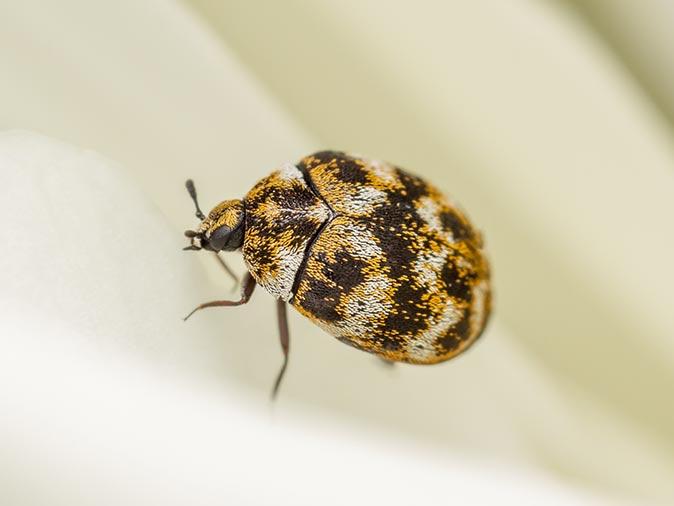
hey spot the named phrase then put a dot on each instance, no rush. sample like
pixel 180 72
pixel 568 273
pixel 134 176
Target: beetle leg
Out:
pixel 285 342
pixel 246 291
pixel 228 269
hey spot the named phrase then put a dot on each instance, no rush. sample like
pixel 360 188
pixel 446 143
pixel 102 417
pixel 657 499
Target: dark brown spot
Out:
pixel 455 335
pixel 321 301
pixel 346 272
pixel 321 157
pixel 348 171
pixel 415 187
pixel 457 285
pixel 389 344
pixel 452 222
pixel 407 298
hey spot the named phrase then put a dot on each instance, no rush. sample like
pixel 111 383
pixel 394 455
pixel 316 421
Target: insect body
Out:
pixel 377 257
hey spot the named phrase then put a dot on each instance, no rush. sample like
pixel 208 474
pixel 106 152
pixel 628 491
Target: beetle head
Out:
pixel 221 230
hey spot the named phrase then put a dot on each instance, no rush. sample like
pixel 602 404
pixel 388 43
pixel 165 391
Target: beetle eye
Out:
pixel 224 238
pixel 219 238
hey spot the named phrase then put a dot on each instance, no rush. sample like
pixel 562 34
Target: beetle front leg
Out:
pixel 228 270
pixel 246 291
pixel 284 336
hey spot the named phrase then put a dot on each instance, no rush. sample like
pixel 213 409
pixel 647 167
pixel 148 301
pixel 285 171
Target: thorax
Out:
pixel 283 215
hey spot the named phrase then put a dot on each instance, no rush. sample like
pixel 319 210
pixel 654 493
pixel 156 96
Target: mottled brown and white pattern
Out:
pixel 375 256
pixel 282 215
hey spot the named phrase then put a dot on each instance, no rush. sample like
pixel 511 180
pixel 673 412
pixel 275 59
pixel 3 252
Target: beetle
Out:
pixel 372 254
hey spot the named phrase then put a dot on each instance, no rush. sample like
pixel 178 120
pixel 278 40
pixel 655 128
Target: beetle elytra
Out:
pixel 375 256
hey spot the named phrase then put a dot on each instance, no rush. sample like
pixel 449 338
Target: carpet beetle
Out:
pixel 375 256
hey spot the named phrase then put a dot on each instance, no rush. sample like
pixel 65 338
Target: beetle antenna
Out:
pixel 189 184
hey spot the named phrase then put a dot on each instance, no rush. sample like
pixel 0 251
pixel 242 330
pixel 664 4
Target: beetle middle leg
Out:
pixel 247 288
pixel 228 270
pixel 284 336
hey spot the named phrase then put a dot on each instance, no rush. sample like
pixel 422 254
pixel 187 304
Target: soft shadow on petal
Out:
pixel 103 401
pixel 521 113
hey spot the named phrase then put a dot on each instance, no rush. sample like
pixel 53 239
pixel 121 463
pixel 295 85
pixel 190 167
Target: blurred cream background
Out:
pixel 551 122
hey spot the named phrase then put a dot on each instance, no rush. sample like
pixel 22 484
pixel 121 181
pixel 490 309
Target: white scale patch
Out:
pixel 361 316
pixel 364 244
pixel 383 171
pixel 429 211
pixel 289 171
pixel 477 312
pixel 364 200
pixel 281 283
pixel 319 213
pixel 422 346
pixel 429 265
